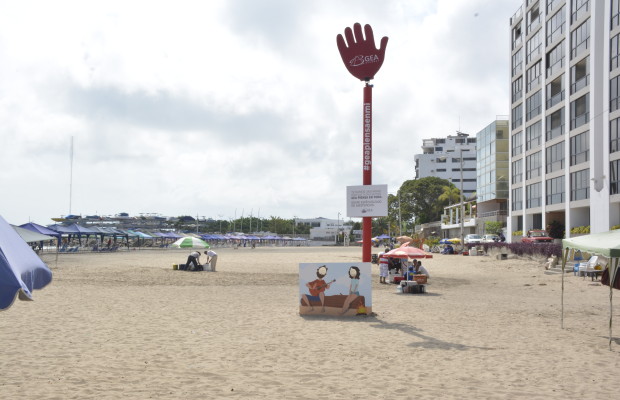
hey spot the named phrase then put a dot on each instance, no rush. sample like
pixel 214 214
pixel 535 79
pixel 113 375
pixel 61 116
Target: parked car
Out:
pixel 472 238
pixel 537 236
pixel 490 239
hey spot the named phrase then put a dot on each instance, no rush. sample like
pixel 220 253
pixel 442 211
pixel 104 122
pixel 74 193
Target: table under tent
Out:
pixel 605 244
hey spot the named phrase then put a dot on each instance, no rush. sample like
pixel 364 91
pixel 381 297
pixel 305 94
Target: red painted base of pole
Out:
pixel 366 238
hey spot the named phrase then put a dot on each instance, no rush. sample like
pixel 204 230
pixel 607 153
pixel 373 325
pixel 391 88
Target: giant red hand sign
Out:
pixel 361 57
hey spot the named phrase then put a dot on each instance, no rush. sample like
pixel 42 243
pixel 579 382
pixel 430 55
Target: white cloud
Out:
pixel 202 108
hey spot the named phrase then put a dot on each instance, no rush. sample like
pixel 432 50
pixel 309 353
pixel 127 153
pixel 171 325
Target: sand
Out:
pixel 127 326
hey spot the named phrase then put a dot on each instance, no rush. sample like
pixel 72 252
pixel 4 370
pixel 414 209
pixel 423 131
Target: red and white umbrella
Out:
pixel 405 251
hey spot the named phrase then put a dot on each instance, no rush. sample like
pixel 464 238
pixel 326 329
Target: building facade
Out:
pixel 492 174
pixel 565 115
pixel 441 157
pixel 325 228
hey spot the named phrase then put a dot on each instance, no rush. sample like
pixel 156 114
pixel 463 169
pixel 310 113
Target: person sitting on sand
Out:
pixel 317 288
pixel 416 269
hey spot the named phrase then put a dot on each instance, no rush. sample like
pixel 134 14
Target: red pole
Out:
pixel 367 168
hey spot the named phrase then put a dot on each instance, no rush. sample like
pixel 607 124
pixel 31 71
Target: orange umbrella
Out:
pixel 404 239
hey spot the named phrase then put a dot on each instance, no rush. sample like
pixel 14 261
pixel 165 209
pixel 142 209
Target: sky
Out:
pixel 226 108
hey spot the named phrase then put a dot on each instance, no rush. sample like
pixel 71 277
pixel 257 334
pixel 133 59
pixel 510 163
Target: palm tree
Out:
pixel 451 194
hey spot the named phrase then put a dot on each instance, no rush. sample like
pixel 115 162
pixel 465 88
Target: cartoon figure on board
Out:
pixel 317 288
pixel 354 292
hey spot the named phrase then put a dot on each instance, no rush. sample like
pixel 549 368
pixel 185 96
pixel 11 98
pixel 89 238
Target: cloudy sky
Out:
pixel 222 107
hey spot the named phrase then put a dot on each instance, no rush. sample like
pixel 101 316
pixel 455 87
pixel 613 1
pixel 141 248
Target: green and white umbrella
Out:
pixel 190 242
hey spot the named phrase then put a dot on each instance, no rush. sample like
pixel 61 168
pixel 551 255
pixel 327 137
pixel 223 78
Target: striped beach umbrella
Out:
pixel 189 242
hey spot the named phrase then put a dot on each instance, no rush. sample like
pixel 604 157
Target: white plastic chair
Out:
pixel 588 266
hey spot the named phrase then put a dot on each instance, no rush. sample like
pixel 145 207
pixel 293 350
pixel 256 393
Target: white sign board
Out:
pixel 367 201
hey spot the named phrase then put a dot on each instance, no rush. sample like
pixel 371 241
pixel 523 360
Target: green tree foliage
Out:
pixel 420 198
pixel 555 229
pixel 493 227
pixel 451 194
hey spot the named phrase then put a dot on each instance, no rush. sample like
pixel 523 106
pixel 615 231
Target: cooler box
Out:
pixel 397 279
pixel 420 278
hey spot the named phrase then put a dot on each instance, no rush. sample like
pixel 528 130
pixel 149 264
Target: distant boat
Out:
pixel 70 217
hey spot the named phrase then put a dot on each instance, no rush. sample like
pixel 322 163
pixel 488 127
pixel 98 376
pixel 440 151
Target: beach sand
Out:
pixel 127 326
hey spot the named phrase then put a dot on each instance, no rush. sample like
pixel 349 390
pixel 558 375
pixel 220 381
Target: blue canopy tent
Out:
pixel 73 230
pixel 21 270
pixel 42 230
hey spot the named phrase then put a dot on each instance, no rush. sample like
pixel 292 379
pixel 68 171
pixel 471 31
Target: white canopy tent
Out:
pixel 605 244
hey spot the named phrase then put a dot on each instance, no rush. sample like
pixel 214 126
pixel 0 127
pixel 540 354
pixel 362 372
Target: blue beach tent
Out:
pixel 21 270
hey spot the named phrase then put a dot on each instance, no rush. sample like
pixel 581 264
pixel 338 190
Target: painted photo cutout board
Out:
pixel 337 289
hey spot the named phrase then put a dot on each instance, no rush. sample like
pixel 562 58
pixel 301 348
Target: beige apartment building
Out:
pixel 565 115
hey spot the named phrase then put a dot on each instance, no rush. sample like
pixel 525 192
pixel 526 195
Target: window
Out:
pixel 517 199
pixel 580 39
pixel 517 143
pixel 533 46
pixel 517 89
pixel 517 171
pixel 517 116
pixel 532 76
pixel 533 18
pixel 555 190
pixel 579 148
pixel 533 195
pixel 614 93
pixel 615 13
pixel 517 62
pixel 614 179
pixel 554 158
pixel 441 170
pixel 516 37
pixel 555 91
pixel 533 106
pixel 580 111
pixel 440 160
pixel 580 75
pixel 555 124
pixel 555 59
pixel 555 26
pixel 614 52
pixel 532 166
pixel 579 8
pixel 551 4
pixel 580 185
pixel 533 135
pixel 614 135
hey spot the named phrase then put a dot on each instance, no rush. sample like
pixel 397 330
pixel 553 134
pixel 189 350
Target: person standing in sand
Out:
pixel 383 266
pixel 212 259
pixel 317 288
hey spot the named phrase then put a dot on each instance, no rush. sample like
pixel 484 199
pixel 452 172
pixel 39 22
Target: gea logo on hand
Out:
pixel 359 54
pixel 359 60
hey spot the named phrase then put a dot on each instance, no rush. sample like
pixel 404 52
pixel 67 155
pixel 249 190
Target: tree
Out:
pixel 493 227
pixel 451 194
pixel 420 198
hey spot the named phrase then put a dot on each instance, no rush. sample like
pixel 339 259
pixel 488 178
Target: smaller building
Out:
pixel 324 228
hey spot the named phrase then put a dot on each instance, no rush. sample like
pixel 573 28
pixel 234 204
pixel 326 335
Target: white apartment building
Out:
pixel 565 115
pixel 441 157
pixel 324 228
